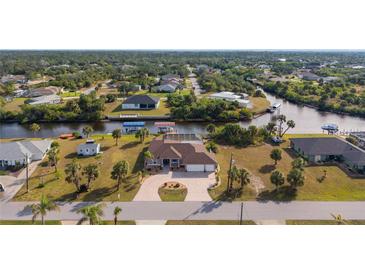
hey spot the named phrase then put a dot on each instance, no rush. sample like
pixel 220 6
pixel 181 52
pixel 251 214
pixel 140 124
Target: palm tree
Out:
pixel 117 133
pixel 42 208
pixel 119 172
pixel 53 156
pixel 271 128
pixel 339 220
pixel 290 124
pixel 92 213
pixel 282 119
pixel 252 131
pixel 142 134
pixel 243 177
pixel 295 178
pixel 35 128
pixel 117 211
pixel 233 175
pixel 147 156
pixel 87 131
pixel 91 171
pixel 73 174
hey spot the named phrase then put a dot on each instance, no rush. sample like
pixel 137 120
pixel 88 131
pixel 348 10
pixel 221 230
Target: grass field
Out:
pixel 172 195
pixel 209 222
pixel 103 188
pixel 15 104
pixel 259 104
pixel 256 159
pixel 70 94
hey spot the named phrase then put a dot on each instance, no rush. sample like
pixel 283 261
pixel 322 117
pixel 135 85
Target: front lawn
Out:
pixel 15 104
pixel 45 181
pixel 259 104
pixel 256 159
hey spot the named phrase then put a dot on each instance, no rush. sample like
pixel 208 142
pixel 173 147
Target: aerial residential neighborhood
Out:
pixel 243 138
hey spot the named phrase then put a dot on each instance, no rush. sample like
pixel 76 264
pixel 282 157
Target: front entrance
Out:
pixel 166 162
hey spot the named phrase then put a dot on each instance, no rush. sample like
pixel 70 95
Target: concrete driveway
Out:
pixel 197 184
pixel 13 184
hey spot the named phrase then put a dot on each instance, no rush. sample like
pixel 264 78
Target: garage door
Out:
pixel 209 167
pixel 195 167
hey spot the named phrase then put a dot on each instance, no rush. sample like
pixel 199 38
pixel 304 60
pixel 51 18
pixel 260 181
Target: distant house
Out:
pixel 166 88
pixel 141 102
pixel 44 100
pixel 309 76
pixel 232 97
pixel 90 148
pixel 330 149
pixel 51 90
pixel 177 151
pixel 18 79
pixel 15 153
pixel 169 77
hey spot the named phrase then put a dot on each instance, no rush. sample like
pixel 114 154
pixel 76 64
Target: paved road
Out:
pixel 194 82
pixel 200 210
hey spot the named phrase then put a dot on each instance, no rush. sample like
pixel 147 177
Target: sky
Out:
pixel 183 24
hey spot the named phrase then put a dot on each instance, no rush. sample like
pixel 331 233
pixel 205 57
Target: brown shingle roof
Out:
pixel 188 153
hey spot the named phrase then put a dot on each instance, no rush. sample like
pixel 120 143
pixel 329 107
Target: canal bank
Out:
pixel 307 120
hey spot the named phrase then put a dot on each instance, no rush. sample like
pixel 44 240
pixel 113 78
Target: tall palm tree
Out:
pixel 119 172
pixel 92 213
pixel 53 156
pixel 290 124
pixel 233 175
pixel 35 128
pixel 142 134
pixel 117 133
pixel 91 171
pixel 87 131
pixel 243 177
pixel 117 211
pixel 42 208
pixel 339 220
pixel 73 174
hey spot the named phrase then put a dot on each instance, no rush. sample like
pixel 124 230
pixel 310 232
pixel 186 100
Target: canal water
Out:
pixel 307 120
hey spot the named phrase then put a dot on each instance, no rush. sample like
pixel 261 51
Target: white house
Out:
pixel 166 88
pixel 90 148
pixel 232 97
pixel 47 99
pixel 13 153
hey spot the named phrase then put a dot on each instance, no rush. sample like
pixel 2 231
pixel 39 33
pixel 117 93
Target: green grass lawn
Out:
pixel 15 104
pixel 28 222
pixel 103 188
pixel 256 159
pixel 172 195
pixel 115 108
pixel 209 222
pixel 70 94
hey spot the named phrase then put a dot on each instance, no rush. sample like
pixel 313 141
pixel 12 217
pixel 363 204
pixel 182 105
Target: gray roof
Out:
pixel 141 99
pixel 329 146
pixel 18 150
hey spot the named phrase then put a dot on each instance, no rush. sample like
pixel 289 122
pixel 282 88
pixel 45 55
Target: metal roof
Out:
pixel 133 124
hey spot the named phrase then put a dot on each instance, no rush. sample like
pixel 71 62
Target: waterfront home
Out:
pixel 90 148
pixel 176 151
pixel 166 88
pixel 143 102
pixel 132 127
pixel 37 92
pixel 232 97
pixel 42 100
pixel 360 137
pixel 16 153
pixel 325 149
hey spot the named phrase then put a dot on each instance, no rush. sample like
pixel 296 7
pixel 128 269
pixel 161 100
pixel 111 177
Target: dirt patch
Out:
pixel 256 183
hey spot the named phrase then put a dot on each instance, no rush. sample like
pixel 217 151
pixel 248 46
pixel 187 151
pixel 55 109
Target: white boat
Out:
pixel 274 107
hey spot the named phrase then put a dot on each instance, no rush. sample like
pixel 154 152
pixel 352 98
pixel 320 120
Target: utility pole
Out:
pixel 27 171
pixel 229 173
pixel 241 215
